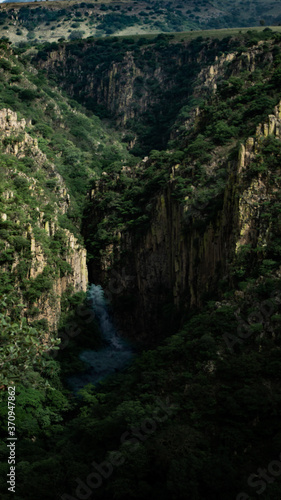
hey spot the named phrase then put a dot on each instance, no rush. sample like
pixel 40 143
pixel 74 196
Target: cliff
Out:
pixel 160 89
pixel 132 83
pixel 34 224
pixel 173 264
pixel 184 255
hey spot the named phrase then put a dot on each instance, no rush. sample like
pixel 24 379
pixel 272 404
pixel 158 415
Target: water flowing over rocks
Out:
pixel 113 357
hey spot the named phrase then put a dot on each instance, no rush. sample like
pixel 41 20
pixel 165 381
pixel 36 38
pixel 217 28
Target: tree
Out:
pixel 21 349
pixel 76 35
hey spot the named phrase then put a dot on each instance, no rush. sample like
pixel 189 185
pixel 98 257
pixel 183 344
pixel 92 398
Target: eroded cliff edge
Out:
pixel 45 260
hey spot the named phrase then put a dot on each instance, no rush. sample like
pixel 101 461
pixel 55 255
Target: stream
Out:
pixel 113 357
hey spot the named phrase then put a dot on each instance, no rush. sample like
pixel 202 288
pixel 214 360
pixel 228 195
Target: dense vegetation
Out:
pixel 150 72
pixel 197 415
pixel 76 145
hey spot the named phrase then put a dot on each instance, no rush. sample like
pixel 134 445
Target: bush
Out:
pixel 38 286
pixel 5 64
pixel 223 132
pixel 20 243
pixel 65 268
pixel 30 35
pixel 76 35
pixel 28 94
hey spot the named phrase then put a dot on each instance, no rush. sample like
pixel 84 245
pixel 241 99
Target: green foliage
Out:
pixel 65 268
pixel 200 384
pixel 223 133
pixel 35 287
pixel 21 349
pixel 76 35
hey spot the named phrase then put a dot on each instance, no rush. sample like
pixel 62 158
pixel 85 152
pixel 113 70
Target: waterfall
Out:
pixel 114 356
pixel 108 331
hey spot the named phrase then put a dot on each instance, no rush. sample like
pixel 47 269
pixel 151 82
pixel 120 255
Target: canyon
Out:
pixel 149 168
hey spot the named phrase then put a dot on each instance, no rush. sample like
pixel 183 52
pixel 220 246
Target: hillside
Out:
pixel 151 166
pixel 52 21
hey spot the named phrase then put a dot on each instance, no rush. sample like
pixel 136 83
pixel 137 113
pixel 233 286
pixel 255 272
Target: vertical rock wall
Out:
pixel 178 263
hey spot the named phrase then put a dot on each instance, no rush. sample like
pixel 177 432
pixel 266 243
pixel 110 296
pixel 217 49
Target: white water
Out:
pixel 113 357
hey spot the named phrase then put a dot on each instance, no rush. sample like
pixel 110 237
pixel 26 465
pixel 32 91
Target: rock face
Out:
pixel 172 264
pixel 10 123
pixel 75 255
pixel 252 229
pixel 136 87
pixel 120 88
pixel 175 262
pixel 181 257
pixel 16 141
pixel 131 85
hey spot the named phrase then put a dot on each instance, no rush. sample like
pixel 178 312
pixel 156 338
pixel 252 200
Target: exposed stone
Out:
pixel 173 262
pixel 22 145
pixel 75 255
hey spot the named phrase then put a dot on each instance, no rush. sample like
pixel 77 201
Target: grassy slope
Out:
pixel 56 19
pixel 215 33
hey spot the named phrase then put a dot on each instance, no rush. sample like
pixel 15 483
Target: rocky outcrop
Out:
pixel 49 306
pixel 121 88
pixel 16 141
pixel 117 91
pixel 252 229
pixel 209 76
pixel 131 85
pixel 177 261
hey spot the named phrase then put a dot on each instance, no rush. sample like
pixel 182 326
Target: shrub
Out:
pixel 76 35
pixel 30 35
pixel 20 243
pixel 28 94
pixel 223 132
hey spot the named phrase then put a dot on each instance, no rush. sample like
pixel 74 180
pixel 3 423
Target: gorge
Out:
pixel 150 167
